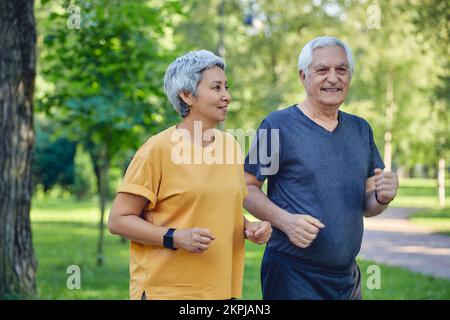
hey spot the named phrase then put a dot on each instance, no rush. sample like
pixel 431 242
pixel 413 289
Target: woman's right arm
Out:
pixel 125 220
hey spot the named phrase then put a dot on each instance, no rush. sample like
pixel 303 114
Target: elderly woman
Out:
pixel 184 218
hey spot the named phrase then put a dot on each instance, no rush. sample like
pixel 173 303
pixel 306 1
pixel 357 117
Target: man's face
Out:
pixel 329 76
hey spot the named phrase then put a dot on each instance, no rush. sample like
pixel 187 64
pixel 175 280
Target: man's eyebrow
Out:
pixel 320 65
pixel 343 64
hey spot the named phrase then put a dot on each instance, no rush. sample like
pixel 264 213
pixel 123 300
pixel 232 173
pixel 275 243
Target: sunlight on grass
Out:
pixel 419 193
pixel 438 220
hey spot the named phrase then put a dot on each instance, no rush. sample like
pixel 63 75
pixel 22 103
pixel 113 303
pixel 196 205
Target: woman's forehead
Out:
pixel 214 74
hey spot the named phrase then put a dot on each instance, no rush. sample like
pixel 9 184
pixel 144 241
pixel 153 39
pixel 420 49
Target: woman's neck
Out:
pixel 197 129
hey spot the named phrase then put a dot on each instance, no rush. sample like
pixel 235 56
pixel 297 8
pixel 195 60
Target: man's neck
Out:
pixel 319 112
pixel 325 116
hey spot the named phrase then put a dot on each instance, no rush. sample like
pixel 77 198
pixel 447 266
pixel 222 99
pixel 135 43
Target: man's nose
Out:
pixel 332 77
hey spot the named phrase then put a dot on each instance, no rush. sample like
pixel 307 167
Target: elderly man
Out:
pixel 329 175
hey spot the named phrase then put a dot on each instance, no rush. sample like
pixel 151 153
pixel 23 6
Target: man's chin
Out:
pixel 332 102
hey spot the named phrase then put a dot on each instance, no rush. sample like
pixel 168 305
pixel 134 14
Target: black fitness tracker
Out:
pixel 168 239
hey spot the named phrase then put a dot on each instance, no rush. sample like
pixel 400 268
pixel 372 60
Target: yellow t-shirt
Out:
pixel 189 186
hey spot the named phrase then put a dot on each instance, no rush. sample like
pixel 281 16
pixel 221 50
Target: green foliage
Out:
pixel 84 183
pixel 107 75
pixel 431 21
pixel 53 157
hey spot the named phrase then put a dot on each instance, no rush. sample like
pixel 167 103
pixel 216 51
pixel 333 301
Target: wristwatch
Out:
pixel 168 239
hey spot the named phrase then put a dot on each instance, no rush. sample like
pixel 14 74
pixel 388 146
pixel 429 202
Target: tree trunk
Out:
pixel 221 29
pixel 441 182
pixel 389 121
pixel 17 73
pixel 101 164
pixel 103 177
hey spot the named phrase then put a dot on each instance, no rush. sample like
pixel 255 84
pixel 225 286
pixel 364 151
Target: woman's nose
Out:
pixel 227 96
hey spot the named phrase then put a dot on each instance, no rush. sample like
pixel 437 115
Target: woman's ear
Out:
pixel 186 97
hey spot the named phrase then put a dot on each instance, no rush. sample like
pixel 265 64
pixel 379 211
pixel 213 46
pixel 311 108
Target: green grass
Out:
pixel 401 284
pixel 423 193
pixel 419 193
pixel 65 233
pixel 437 219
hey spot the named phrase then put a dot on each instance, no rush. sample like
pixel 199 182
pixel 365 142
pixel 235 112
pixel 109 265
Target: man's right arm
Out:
pixel 259 205
pixel 301 229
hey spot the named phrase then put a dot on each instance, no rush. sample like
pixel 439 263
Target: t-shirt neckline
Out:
pixel 316 125
pixel 191 145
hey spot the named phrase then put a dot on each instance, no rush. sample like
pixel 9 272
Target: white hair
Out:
pixel 184 75
pixel 305 57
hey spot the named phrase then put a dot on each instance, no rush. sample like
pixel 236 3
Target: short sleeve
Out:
pixel 141 179
pixel 375 158
pixel 263 157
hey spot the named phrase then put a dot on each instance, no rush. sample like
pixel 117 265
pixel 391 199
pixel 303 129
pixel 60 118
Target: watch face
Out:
pixel 168 239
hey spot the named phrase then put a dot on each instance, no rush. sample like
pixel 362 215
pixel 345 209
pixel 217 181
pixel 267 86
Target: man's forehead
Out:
pixel 329 55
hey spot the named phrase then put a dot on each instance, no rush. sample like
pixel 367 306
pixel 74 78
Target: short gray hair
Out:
pixel 305 57
pixel 184 75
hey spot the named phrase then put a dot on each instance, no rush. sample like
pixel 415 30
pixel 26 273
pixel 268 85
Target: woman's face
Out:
pixel 212 98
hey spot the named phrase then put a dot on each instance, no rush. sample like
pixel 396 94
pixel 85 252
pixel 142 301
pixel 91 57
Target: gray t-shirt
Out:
pixel 322 174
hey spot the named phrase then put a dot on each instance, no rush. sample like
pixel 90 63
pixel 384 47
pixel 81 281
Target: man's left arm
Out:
pixel 381 189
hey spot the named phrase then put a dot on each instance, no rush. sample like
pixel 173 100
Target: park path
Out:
pixel 392 239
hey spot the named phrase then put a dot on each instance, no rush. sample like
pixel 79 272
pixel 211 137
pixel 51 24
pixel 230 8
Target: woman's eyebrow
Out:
pixel 217 82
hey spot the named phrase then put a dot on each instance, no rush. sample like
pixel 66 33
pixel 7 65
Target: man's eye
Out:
pixel 322 71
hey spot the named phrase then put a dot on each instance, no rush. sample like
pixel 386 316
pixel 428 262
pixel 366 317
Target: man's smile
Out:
pixel 331 90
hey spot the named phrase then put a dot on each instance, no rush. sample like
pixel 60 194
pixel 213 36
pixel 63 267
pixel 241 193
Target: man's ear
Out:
pixel 302 77
pixel 186 97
